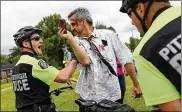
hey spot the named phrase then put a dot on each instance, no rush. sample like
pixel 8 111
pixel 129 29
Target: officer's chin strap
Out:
pixel 31 47
pixel 145 16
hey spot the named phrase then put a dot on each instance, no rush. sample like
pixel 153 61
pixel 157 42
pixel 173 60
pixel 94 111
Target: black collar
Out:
pixel 28 53
pixel 159 12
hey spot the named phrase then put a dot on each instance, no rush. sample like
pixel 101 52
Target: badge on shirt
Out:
pixel 43 64
pixel 104 42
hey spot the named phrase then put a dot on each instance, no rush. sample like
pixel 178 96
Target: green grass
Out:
pixel 7 99
pixel 6 85
pixel 4 81
pixel 137 103
pixel 65 101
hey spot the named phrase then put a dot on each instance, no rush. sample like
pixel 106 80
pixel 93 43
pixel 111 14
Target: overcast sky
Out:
pixel 17 14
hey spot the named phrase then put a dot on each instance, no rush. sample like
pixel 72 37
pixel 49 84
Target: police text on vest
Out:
pixel 20 82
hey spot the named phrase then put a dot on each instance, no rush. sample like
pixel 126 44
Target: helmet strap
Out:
pixel 31 47
pixel 142 21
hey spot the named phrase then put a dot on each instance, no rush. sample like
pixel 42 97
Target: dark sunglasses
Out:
pixel 37 38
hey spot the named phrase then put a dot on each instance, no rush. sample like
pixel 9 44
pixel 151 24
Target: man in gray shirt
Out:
pixel 96 81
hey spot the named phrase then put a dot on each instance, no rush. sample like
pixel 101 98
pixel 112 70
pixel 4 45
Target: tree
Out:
pixel 52 45
pixel 100 25
pixel 112 29
pixel 133 43
pixel 15 53
pixel 4 59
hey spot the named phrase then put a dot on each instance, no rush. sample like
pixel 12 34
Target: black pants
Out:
pixel 122 83
pixel 122 97
pixel 82 109
pixel 38 108
pixel 120 100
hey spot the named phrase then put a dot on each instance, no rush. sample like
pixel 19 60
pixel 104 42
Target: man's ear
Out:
pixel 141 9
pixel 25 43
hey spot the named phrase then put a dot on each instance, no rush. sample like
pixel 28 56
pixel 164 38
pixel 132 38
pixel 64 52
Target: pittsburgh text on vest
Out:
pixel 20 82
pixel 172 53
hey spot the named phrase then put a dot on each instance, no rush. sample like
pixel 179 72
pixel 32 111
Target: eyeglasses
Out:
pixel 37 38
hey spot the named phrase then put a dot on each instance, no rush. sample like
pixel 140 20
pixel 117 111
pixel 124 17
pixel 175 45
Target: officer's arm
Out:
pixel 174 106
pixel 66 72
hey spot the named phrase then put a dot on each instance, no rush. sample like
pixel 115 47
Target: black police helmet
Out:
pixel 126 4
pixel 25 33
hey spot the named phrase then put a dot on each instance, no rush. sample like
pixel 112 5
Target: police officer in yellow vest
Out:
pixel 158 55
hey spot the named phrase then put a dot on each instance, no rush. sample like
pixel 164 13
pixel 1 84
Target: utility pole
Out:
pixel 132 32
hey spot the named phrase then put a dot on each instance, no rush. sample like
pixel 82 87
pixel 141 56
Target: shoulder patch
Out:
pixel 43 64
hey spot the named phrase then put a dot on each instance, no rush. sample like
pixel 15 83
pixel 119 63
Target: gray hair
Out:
pixel 82 13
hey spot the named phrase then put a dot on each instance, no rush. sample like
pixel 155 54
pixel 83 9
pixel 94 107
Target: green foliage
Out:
pixel 4 59
pixel 100 25
pixel 111 28
pixel 52 44
pixel 133 43
pixel 15 52
pixel 49 25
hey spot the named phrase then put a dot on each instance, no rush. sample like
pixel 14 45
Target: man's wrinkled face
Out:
pixel 76 25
